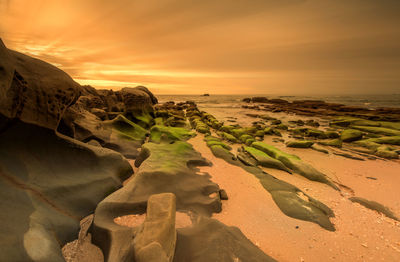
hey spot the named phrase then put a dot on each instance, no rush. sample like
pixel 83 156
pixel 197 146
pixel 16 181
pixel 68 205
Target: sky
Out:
pixel 285 47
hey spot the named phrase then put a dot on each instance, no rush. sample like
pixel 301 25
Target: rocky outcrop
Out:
pixel 34 91
pixel 48 181
pixel 164 167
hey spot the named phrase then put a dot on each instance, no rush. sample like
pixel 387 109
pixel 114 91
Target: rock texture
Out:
pixel 48 181
pixel 157 235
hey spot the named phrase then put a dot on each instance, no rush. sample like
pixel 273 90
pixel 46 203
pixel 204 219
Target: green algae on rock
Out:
pixel 290 200
pixel 299 143
pixel 295 163
pixel 265 160
pixel 350 135
pixel 173 133
pixel 336 142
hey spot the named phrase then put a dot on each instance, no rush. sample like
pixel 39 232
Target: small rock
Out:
pixel 223 195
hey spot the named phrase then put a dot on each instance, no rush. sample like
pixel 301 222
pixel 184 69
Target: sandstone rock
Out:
pixel 34 91
pixel 350 135
pixel 159 227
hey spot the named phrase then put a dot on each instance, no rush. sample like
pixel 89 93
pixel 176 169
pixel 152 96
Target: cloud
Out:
pixel 288 46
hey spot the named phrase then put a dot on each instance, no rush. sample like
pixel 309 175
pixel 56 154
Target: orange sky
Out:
pixel 220 47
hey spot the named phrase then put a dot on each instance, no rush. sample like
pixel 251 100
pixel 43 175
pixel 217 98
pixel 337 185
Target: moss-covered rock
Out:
pixel 294 163
pixel 386 152
pixel 126 128
pixel 315 133
pixel 350 135
pixel 378 130
pixel 282 127
pixel 259 133
pixel 300 143
pixel 319 149
pixel 290 200
pixel 265 160
pixel 332 134
pixel 246 159
pixel 238 132
pixel 331 142
pixel 390 140
pixel 244 138
pixel 367 144
pixel 213 143
pixel 172 133
pixel 228 137
pixel 249 141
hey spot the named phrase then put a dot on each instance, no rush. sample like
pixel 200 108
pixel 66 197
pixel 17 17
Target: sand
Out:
pixel 361 234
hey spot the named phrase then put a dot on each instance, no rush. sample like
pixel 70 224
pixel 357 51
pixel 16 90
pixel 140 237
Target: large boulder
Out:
pixel 136 100
pixel 34 91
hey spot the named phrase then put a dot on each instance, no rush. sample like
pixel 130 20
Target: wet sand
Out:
pixel 361 234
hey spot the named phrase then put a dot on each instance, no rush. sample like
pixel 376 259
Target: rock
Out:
pixel 260 100
pixel 378 130
pixel 223 195
pixel 294 163
pixel 374 206
pixel 350 135
pixel 315 133
pixel 156 175
pixel 390 140
pixel 331 142
pixel 246 100
pixel 228 137
pixel 331 134
pixel 62 187
pixel 34 91
pixel 265 160
pixel 172 133
pixel 136 100
pixel 213 143
pixel 290 200
pixel 158 228
pixel 247 159
pixel 300 144
pixel 319 149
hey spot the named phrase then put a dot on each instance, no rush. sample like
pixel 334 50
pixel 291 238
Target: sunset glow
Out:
pixel 271 47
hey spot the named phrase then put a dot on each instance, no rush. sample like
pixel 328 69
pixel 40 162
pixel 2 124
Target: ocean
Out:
pixel 223 101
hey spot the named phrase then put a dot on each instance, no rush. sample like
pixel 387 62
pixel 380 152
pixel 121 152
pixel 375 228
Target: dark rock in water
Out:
pixel 206 94
pixel 210 240
pixel 247 100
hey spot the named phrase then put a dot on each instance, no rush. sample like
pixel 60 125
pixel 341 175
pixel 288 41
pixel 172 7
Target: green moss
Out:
pixel 290 200
pixel 126 128
pixel 265 160
pixel 249 141
pixel 350 135
pixel 331 142
pixel 294 163
pixel 172 133
pixel 213 143
pixel 300 144
pixel 259 133
pixel 378 130
pixel 331 134
pixel 159 121
pixel 385 153
pixel 367 144
pixel 144 120
pixel 244 138
pixel 238 132
pixel 227 129
pixel 315 133
pixel 282 127
pixel 391 140
pixel 228 137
